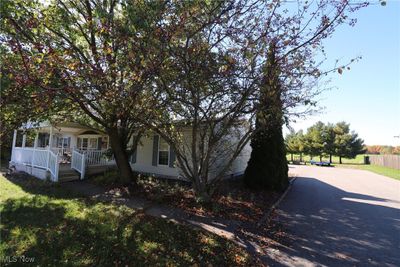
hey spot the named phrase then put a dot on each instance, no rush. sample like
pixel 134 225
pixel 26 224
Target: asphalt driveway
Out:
pixel 338 217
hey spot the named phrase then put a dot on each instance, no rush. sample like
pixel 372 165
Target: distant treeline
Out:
pixel 382 150
pixel 325 140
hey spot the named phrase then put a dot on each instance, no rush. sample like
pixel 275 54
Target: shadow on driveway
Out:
pixel 325 225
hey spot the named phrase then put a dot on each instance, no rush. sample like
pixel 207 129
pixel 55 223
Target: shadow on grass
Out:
pixel 36 186
pixel 58 231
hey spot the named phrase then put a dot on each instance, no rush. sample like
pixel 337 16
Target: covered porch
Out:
pixel 59 151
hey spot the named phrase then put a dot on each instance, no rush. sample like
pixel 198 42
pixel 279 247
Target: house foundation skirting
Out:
pixel 34 171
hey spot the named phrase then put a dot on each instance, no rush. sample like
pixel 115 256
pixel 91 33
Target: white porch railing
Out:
pixel 78 162
pixel 61 151
pixel 39 158
pixel 97 157
pixel 53 165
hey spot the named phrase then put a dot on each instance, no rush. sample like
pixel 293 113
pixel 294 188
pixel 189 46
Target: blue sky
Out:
pixel 367 96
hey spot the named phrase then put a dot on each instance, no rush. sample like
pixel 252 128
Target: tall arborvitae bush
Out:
pixel 267 167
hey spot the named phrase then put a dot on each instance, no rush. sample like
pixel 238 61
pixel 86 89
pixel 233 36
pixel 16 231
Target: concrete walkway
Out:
pixel 338 217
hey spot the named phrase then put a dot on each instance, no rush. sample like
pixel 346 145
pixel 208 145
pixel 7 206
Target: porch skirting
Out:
pixel 34 171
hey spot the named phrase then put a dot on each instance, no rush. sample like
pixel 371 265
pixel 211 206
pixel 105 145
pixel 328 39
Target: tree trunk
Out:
pixel 301 157
pixel 121 158
pixel 203 196
pixel 320 158
pixel 340 159
pixel 291 157
pixel 330 158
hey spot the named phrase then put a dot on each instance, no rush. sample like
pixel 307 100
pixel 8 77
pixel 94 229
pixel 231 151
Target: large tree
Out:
pixel 291 144
pixel 347 143
pixel 194 61
pixel 329 136
pixel 295 143
pixel 315 142
pixel 101 53
pixel 203 92
pixel 267 167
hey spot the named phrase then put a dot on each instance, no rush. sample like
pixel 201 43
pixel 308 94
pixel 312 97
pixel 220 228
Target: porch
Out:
pixel 60 154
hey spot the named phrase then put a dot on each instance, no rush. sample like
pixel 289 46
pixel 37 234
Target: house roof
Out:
pixel 47 124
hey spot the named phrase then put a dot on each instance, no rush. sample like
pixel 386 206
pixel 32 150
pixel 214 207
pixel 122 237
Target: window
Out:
pixel 92 143
pixel 163 152
pixel 63 142
pixel 82 143
pixel 43 139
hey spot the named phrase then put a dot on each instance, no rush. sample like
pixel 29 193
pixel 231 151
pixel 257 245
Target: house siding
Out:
pixel 144 160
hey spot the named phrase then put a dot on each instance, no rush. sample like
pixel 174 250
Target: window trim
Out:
pixel 158 152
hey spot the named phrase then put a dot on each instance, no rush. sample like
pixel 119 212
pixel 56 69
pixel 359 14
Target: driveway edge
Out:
pixel 272 208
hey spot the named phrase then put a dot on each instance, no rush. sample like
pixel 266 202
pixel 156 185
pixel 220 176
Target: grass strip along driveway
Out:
pixel 385 171
pixel 52 226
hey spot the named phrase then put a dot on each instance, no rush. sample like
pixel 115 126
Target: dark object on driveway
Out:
pixel 320 163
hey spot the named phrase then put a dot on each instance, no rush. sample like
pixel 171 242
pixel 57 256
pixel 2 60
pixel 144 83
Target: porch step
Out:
pixel 67 175
pixel 68 178
pixel 67 172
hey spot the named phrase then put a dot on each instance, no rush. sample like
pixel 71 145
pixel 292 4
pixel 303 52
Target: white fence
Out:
pixel 39 158
pixel 78 162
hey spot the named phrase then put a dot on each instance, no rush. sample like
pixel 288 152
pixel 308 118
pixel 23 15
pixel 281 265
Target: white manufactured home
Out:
pixel 70 151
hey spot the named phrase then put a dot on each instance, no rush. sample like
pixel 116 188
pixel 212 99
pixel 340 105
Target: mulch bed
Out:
pixel 232 200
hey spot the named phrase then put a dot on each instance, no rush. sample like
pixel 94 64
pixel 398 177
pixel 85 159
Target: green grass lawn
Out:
pixel 389 172
pixel 57 228
pixel 359 159
pixel 356 163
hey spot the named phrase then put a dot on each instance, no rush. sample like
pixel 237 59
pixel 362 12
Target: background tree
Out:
pixel 396 150
pixel 295 143
pixel 373 149
pixel 314 140
pixel 300 140
pixel 291 144
pixel 328 137
pixel 347 143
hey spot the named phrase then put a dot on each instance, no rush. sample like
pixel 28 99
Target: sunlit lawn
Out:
pixel 356 163
pixel 56 228
pixel 359 159
pixel 389 172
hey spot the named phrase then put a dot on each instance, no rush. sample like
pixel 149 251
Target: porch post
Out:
pixel 35 144
pixel 14 138
pixel 24 140
pixel 51 137
pixel 13 144
pixel 49 147
pixel 34 149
